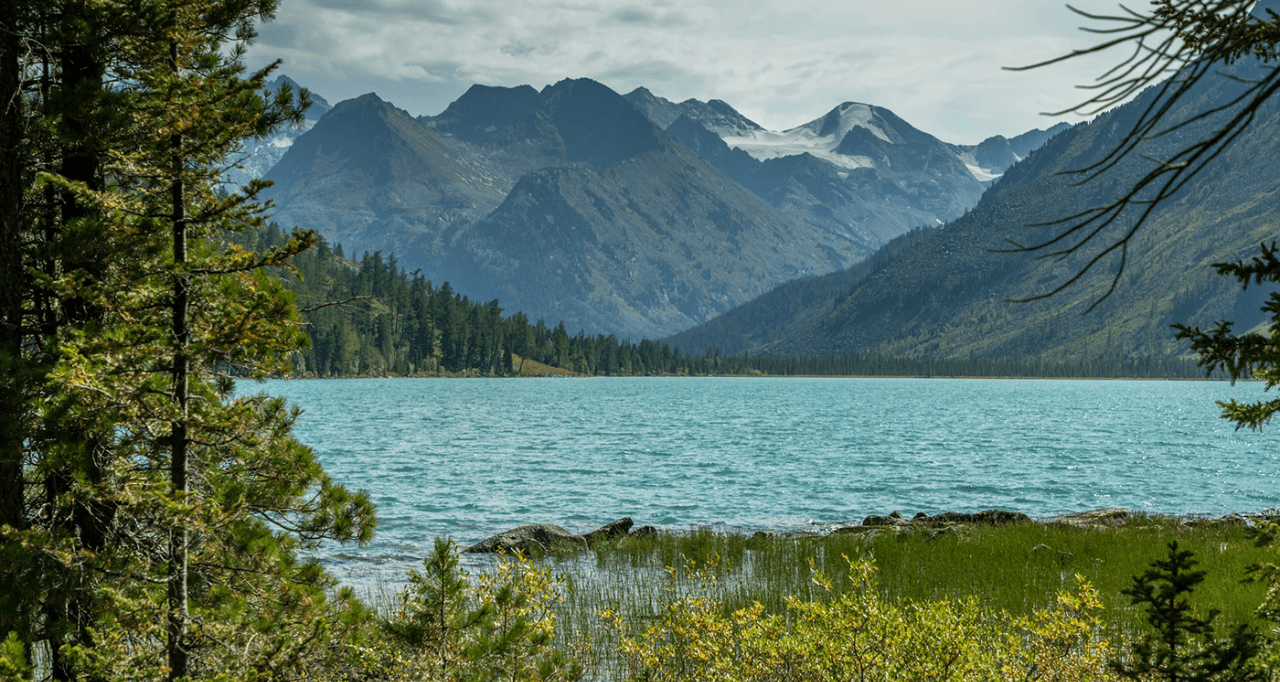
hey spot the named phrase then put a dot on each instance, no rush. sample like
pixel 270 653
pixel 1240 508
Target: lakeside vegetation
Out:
pixel 368 316
pixel 1019 568
pixel 1027 600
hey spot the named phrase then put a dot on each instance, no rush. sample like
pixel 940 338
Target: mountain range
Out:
pixel 946 292
pixel 627 215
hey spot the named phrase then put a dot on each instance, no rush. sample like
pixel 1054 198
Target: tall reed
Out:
pixel 1017 568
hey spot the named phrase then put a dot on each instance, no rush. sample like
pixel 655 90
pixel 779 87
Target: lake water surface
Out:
pixel 468 458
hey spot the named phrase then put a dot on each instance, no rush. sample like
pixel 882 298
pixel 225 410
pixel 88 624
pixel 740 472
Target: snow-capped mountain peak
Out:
pixel 839 121
pixel 820 137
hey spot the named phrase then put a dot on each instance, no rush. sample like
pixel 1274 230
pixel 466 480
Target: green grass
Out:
pixel 1017 568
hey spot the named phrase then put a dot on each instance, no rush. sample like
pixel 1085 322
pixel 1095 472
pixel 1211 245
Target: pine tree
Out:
pixel 153 496
pixel 1184 646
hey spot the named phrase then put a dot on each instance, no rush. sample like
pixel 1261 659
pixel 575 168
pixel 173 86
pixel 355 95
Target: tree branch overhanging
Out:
pixel 1192 39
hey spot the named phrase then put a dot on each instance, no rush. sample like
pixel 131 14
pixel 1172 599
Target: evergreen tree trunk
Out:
pixel 12 273
pixel 12 293
pixel 84 446
pixel 178 550
pixel 105 415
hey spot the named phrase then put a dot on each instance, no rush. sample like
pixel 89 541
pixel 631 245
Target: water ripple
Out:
pixel 468 458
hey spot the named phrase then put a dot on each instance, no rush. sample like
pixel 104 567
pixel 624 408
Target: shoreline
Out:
pixel 547 537
pixel 764 376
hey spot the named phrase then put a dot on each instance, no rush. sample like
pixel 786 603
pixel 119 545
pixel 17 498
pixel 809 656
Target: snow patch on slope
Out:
pixel 846 117
pixel 763 145
pixel 981 174
pixel 969 159
pixel 811 139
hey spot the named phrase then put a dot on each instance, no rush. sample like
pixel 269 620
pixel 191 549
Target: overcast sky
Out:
pixel 935 63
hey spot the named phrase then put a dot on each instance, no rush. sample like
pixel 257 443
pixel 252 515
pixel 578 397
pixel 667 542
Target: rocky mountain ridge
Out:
pixel 859 169
pixel 572 203
pixel 947 293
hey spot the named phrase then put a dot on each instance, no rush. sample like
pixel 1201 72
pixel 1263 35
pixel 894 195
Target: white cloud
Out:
pixel 936 63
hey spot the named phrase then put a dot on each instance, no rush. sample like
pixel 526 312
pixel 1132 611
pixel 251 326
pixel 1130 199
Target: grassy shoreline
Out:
pixel 1020 592
pixel 1017 567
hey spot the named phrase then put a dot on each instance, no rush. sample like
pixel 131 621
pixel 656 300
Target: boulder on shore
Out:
pixel 1094 518
pixel 540 535
pixel 990 517
pixel 546 535
pixel 890 520
pixel 609 531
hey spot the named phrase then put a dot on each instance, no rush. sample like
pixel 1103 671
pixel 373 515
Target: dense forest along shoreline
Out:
pixel 369 317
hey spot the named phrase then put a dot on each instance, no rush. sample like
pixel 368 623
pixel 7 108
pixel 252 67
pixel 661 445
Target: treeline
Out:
pixel 370 317
pixel 876 365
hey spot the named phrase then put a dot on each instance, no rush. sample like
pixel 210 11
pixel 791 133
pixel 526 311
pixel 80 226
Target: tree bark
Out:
pixel 12 273
pixel 178 551
pixel 14 606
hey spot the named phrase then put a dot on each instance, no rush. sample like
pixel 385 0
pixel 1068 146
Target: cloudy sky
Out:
pixel 936 63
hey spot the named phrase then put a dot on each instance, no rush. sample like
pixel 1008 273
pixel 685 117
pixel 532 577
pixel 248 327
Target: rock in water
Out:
pixel 541 535
pixel 609 531
pixel 992 517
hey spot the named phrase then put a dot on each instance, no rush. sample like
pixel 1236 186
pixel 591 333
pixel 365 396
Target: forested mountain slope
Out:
pixel 566 203
pixel 947 296
pixel 370 317
pixel 788 308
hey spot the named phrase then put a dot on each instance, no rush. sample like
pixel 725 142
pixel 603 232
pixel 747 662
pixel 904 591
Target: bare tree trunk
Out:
pixel 13 291
pixel 178 550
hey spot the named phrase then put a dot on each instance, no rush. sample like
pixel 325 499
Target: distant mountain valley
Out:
pixel 853 234
pixel 619 214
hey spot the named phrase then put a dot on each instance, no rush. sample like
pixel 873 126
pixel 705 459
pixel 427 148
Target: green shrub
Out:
pixel 856 634
pixel 444 627
pixel 13 659
pixel 1183 645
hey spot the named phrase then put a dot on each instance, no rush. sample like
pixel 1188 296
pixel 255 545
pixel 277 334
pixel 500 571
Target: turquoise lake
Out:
pixel 467 458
